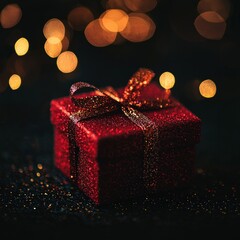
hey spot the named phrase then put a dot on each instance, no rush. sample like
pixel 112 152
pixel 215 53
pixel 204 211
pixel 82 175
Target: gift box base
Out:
pixel 112 181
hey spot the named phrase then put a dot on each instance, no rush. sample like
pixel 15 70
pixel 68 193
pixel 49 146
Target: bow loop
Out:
pixel 136 84
pixel 101 101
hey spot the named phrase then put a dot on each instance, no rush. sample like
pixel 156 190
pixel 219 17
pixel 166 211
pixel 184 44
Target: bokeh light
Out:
pixel 79 17
pixel 21 46
pixel 210 25
pixel 15 82
pixel 97 36
pixel 167 80
pixel 222 7
pixel 140 28
pixel 114 20
pixel 54 29
pixel 67 62
pixel 10 15
pixel 52 49
pixel 140 5
pixel 207 88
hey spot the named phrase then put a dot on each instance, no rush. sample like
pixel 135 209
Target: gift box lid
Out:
pixel 113 135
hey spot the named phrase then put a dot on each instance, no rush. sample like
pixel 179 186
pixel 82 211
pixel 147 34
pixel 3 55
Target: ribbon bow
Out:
pixel 108 100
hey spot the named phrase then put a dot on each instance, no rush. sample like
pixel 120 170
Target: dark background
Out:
pixel 26 131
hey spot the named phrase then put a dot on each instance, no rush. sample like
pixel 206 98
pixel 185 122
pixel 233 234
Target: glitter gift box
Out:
pixel 106 155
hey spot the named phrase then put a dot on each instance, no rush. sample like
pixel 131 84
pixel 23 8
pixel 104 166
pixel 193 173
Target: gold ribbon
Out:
pixel 108 100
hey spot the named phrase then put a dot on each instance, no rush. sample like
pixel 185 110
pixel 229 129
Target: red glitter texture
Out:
pixel 110 159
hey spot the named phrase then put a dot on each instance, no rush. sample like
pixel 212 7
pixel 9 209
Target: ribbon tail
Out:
pixel 151 151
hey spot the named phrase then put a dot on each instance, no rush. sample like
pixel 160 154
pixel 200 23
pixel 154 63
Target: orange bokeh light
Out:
pixel 10 15
pixel 140 28
pixel 54 29
pixel 52 49
pixel 15 82
pixel 114 20
pixel 222 7
pixel 140 5
pixel 167 80
pixel 79 17
pixel 212 17
pixel 208 88
pixel 21 46
pixel 67 62
pixel 210 25
pixel 97 36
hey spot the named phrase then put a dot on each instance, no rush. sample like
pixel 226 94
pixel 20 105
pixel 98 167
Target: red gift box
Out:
pixel 105 155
